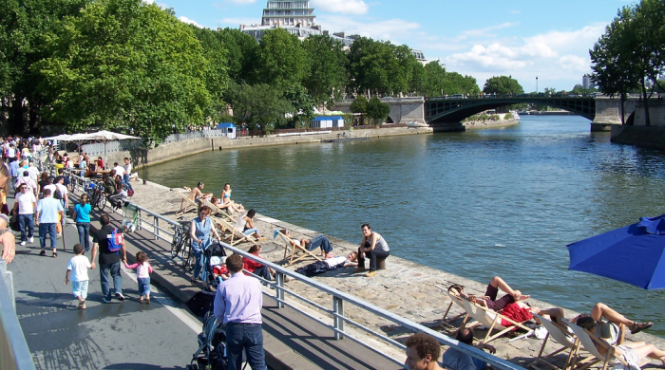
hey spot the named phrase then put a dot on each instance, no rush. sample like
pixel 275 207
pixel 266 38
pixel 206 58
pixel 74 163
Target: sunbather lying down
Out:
pixel 489 299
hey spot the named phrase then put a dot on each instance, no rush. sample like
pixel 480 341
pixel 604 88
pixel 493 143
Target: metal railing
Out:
pixel 14 352
pixel 339 301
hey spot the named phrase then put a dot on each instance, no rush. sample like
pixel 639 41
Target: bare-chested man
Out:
pixel 195 194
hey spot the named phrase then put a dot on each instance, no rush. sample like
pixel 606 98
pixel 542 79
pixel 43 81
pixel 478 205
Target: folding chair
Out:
pixel 297 248
pixel 237 236
pixel 491 319
pixel 561 335
pixel 456 301
pixel 188 202
pixel 216 210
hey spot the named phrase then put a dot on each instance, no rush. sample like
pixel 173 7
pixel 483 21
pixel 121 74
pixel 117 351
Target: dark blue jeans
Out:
pixel 84 233
pixel 114 270
pixel 248 337
pixel 27 224
pixel 320 241
pixel 43 230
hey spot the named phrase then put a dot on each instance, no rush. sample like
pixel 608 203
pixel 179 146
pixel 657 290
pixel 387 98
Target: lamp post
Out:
pixel 536 84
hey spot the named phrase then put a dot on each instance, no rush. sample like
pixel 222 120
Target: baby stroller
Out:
pixel 212 256
pixel 212 345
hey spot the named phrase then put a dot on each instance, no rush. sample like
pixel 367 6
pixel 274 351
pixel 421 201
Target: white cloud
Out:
pixel 355 7
pixel 189 21
pixel 392 30
pixel 559 58
pixel 485 32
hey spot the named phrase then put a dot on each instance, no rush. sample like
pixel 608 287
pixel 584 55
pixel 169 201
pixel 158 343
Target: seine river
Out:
pixel 477 204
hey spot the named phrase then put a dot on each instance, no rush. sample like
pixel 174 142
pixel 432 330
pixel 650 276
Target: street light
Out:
pixel 536 84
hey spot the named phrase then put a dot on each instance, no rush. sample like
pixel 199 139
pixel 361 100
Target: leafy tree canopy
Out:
pixel 502 85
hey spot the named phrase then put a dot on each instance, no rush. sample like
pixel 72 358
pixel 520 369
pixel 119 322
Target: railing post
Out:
pixel 338 309
pixel 279 288
pixel 138 219
pixel 8 278
pixel 156 224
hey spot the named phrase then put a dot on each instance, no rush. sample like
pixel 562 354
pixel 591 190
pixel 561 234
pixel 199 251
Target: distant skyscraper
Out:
pixel 587 82
pixel 288 13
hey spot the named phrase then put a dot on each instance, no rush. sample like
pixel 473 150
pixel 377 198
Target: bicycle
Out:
pixel 182 245
pixel 96 195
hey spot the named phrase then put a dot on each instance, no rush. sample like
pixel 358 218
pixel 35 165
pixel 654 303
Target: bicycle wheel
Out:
pixel 102 201
pixel 176 244
pixel 188 258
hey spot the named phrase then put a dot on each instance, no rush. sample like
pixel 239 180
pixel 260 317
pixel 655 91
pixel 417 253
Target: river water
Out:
pixel 477 204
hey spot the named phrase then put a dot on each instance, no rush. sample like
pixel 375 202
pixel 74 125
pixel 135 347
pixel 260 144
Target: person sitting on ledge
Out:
pixel 319 241
pixel 454 359
pixel 329 264
pixel 373 246
pixel 489 299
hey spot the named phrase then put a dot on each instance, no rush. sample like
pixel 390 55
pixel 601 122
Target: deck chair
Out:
pixel 237 236
pixel 216 210
pixel 588 341
pixel 561 335
pixel 298 248
pixel 456 301
pixel 489 318
pixel 188 202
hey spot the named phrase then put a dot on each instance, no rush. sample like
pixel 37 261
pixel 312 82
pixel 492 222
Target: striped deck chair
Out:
pixel 562 336
pixel 298 248
pixel 491 319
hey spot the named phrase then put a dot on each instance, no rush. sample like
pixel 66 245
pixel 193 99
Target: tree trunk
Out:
pixel 34 117
pixel 622 112
pixel 17 117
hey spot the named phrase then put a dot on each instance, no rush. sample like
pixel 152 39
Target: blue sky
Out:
pixel 481 38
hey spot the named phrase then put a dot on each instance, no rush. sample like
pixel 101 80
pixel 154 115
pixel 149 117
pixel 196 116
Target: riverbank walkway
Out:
pixel 162 335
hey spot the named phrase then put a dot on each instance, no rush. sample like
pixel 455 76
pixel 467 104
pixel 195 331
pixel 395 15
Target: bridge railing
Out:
pixel 339 302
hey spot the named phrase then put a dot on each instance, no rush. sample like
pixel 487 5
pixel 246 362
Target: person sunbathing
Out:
pixel 227 203
pixel 195 194
pixel 489 299
pixel 631 353
pixel 329 264
pixel 319 241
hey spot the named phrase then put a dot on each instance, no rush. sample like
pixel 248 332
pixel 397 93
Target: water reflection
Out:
pixel 476 204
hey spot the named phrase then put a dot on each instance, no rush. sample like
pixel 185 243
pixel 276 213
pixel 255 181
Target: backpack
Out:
pixel 130 192
pixel 57 194
pixel 115 241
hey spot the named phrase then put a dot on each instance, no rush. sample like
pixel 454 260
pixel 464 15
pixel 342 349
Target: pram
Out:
pixel 212 257
pixel 212 345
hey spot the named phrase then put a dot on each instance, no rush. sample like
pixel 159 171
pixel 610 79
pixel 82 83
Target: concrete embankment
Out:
pixel 652 137
pixel 405 288
pixel 166 152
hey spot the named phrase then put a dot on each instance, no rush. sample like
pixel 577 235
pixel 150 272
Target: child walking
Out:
pixel 78 270
pixel 143 271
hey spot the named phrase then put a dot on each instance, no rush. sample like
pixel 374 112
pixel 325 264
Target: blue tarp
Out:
pixel 632 254
pixel 225 125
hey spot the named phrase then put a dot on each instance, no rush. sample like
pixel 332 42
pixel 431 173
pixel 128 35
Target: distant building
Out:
pixel 419 55
pixel 587 82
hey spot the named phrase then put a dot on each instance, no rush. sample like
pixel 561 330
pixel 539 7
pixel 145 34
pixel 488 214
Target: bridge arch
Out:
pixel 455 110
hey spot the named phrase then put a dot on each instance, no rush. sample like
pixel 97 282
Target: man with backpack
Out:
pixel 61 191
pixel 111 245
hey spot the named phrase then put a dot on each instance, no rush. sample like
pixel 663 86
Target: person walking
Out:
pixel 200 233
pixel 238 303
pixel 46 217
pixel 143 271
pixel 82 218
pixel 111 246
pixel 25 206
pixel 128 170
pixel 77 272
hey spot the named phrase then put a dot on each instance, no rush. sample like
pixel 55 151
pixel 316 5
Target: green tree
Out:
pixel 242 52
pixel 281 61
pixel 216 76
pixel 327 73
pixel 23 27
pixel 435 81
pixel 125 64
pixel 259 106
pixel 502 85
pixel 359 105
pixel 372 66
pixel 377 110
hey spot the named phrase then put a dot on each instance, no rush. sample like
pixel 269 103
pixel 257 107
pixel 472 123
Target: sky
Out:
pixel 481 38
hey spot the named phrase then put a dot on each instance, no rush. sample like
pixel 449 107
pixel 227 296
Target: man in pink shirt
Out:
pixel 238 304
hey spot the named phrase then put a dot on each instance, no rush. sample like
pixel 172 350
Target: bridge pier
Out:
pixel 608 112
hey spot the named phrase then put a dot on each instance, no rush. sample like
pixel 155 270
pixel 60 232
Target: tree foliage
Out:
pixel 125 64
pixel 327 71
pixel 281 61
pixel 502 85
pixel 631 50
pixel 377 110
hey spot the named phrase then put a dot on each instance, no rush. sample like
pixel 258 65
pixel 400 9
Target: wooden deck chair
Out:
pixel 491 319
pixel 216 211
pixel 456 301
pixel 298 248
pixel 237 236
pixel 588 341
pixel 561 335
pixel 188 202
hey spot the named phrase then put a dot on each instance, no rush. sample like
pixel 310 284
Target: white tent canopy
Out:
pixel 103 135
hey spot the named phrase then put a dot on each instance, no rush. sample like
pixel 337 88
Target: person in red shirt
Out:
pixel 255 267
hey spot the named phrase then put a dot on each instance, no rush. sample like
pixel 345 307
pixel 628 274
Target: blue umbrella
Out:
pixel 632 254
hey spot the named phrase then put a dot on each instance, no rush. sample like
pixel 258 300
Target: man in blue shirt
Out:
pixel 48 209
pixel 13 169
pixel 456 360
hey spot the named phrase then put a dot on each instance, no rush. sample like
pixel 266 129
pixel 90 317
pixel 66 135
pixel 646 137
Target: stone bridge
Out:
pixel 445 114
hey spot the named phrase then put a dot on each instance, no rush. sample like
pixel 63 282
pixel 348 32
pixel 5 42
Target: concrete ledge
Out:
pixel 643 136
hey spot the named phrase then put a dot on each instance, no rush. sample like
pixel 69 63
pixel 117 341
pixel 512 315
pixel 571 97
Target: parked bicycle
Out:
pixel 95 192
pixel 182 245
